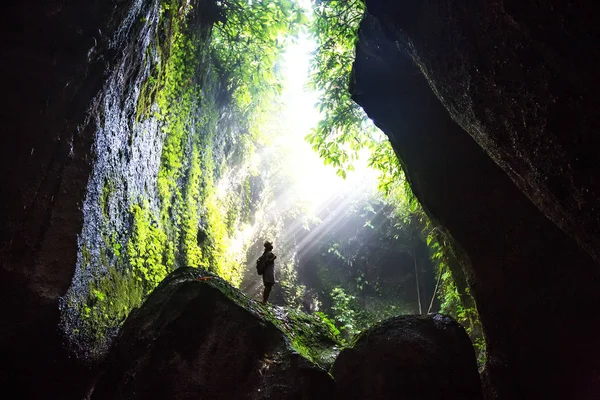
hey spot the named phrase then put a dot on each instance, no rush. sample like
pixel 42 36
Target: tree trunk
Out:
pixel 414 254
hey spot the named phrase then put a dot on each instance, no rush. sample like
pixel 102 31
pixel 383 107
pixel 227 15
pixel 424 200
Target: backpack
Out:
pixel 261 265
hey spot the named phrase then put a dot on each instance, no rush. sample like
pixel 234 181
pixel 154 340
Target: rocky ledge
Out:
pixel 198 337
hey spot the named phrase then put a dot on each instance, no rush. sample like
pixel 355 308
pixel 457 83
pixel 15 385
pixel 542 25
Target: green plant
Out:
pixel 247 44
pixel 329 322
pixel 344 312
pixel 344 129
pixel 111 298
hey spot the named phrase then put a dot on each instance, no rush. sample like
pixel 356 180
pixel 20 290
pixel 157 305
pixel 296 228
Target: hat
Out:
pixel 268 244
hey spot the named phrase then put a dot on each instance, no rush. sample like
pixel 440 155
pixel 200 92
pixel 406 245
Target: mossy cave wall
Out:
pixel 163 124
pixel 115 156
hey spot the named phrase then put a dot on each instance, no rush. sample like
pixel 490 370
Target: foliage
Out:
pixel 191 250
pixel 110 301
pixel 217 258
pixel 193 209
pixel 456 299
pixel 311 336
pixel 329 322
pixel 344 128
pixel 344 312
pixel 177 98
pixel 246 46
pixel 293 291
pixel 129 277
pixel 351 318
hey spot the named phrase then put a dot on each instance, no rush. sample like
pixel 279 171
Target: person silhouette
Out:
pixel 268 260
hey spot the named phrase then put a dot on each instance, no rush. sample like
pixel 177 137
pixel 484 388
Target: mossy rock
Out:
pixel 196 336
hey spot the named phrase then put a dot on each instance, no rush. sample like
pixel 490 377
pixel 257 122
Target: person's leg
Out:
pixel 267 292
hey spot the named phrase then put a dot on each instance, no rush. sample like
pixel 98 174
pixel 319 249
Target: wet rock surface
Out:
pixel 532 282
pixel 409 357
pixel 197 337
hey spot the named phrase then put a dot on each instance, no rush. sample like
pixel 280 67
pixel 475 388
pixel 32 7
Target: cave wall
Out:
pixel 118 128
pixel 55 54
pixel 521 77
pixel 534 285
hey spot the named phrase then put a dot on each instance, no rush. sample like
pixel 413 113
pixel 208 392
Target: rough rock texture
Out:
pixel 54 55
pixel 533 284
pixel 409 357
pixel 202 339
pixel 522 78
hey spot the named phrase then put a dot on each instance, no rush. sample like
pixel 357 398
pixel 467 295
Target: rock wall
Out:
pixel 521 78
pixel 55 54
pixel 534 285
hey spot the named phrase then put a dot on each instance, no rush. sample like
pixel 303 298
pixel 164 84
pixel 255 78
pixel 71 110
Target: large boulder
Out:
pixel 409 357
pixel 533 284
pixel 196 337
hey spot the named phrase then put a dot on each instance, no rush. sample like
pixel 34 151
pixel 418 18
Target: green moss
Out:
pixel 86 257
pixel 215 257
pixel 308 335
pixel 111 299
pixel 107 191
pixel 112 296
pixel 312 337
pixel 191 251
pixel 177 102
pixel 148 251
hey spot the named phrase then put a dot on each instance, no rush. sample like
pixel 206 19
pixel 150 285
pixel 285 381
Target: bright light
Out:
pixel 304 190
pixel 315 183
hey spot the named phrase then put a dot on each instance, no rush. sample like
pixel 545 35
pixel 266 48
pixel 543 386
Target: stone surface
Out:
pixel 202 339
pixel 409 357
pixel 533 284
pixel 521 77
pixel 54 57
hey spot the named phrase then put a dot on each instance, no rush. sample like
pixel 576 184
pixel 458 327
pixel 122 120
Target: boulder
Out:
pixel 196 337
pixel 409 357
